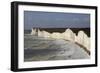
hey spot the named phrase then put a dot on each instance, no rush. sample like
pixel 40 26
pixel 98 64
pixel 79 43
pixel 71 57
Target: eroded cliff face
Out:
pixel 68 35
pixel 33 32
pixel 81 38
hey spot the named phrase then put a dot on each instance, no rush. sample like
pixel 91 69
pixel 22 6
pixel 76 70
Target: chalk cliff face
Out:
pixel 56 35
pixel 68 35
pixel 40 33
pixel 46 34
pixel 33 32
pixel 81 38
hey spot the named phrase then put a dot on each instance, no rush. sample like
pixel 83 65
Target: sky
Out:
pixel 40 19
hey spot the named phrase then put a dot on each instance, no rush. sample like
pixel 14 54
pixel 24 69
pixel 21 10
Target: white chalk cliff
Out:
pixel 68 35
pixel 81 38
pixel 33 32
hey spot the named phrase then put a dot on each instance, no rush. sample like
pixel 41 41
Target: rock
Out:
pixel 83 39
pixel 40 33
pixel 33 32
pixel 46 34
pixel 87 43
pixel 68 35
pixel 56 35
pixel 80 37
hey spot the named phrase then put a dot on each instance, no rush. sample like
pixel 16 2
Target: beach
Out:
pixel 44 49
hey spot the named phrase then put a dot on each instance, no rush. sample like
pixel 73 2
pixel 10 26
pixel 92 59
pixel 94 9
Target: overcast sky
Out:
pixel 55 20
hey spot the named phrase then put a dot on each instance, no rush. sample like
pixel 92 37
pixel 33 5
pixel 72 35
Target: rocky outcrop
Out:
pixel 46 34
pixel 69 35
pixel 40 33
pixel 80 37
pixel 56 35
pixel 33 32
pixel 83 40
